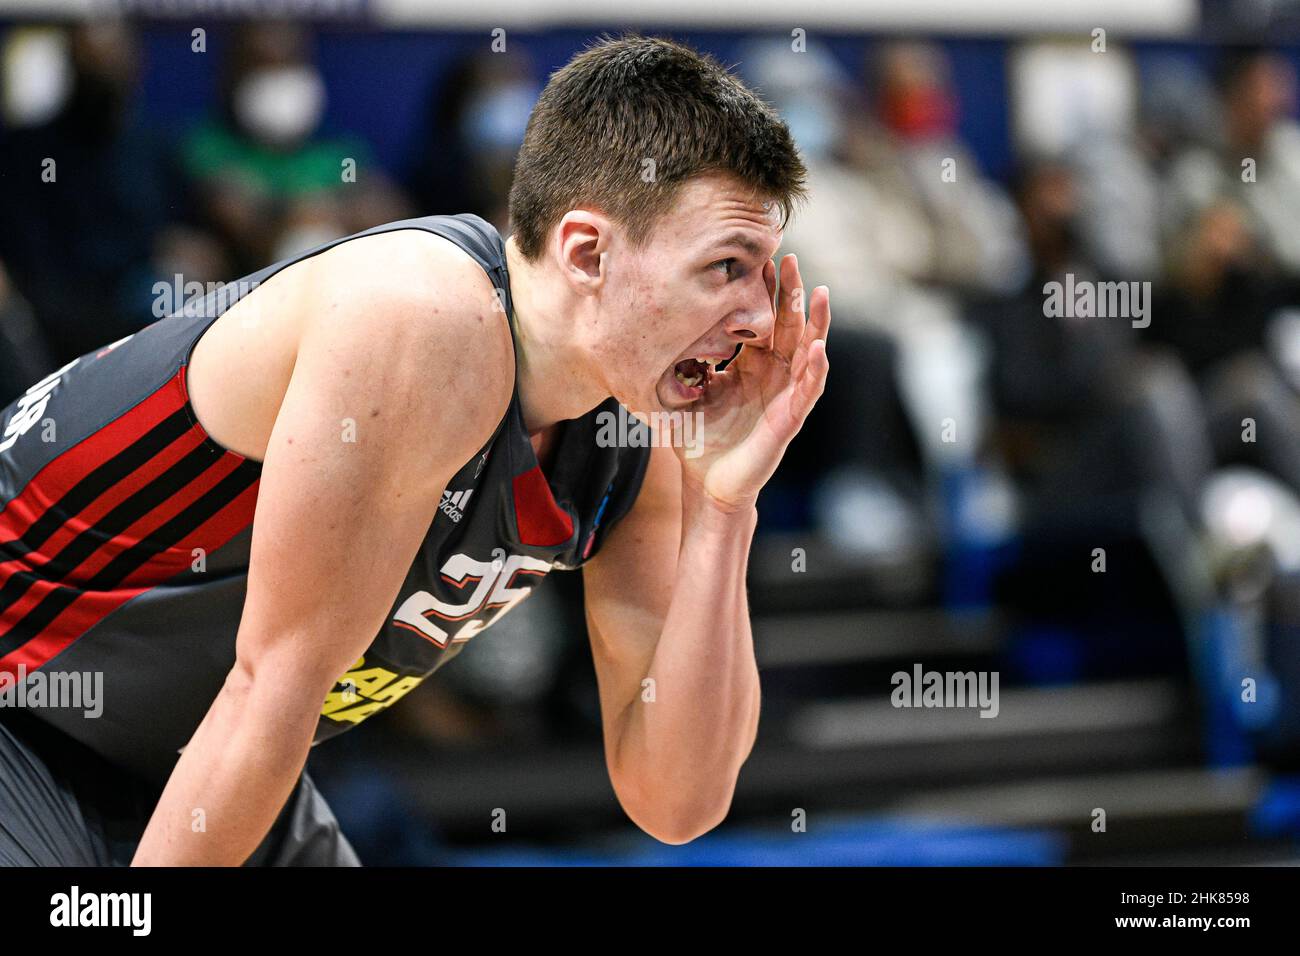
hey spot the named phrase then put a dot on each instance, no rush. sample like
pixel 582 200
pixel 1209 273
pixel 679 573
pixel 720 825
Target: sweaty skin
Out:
pixel 403 326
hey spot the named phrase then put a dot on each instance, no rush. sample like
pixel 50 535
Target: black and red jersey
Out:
pixel 125 532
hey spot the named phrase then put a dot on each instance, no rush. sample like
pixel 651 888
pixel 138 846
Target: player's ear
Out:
pixel 581 244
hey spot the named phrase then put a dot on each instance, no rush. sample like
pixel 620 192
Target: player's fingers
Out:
pixel 790 309
pixel 812 384
pixel 770 281
pixel 819 314
pixel 815 330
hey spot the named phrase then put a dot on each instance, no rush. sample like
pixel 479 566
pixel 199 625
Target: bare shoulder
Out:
pixel 406 311
pixel 409 266
pixel 410 289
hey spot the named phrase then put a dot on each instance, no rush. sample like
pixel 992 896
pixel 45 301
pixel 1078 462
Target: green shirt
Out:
pixel 214 151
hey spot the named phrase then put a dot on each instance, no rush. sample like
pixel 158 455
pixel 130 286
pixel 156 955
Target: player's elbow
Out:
pixel 672 820
pixel 684 828
pixel 275 690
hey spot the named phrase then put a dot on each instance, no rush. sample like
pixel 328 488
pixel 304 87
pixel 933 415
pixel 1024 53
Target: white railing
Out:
pixel 1148 18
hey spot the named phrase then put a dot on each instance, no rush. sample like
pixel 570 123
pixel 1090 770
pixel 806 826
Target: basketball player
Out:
pixel 319 484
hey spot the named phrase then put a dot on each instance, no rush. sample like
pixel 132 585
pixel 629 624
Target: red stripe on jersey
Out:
pixel 76 619
pixel 542 523
pixel 31 597
pixel 164 565
pixel 110 499
pixel 93 606
pixel 211 535
pixel 62 474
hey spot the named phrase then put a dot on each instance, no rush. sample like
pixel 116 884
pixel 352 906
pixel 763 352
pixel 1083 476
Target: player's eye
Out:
pixel 725 267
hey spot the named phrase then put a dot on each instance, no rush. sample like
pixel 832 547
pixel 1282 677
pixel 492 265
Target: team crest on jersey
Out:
pixel 454 503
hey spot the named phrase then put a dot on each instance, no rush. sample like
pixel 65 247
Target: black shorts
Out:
pixel 61 804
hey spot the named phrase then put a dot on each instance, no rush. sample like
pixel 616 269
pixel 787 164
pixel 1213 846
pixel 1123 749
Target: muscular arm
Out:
pixel 666 593
pixel 666 601
pixel 338 522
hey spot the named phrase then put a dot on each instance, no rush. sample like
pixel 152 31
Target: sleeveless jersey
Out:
pixel 125 533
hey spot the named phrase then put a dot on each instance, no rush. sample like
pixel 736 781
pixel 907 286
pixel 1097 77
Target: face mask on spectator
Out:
pixel 280 106
pixel 495 119
pixel 920 113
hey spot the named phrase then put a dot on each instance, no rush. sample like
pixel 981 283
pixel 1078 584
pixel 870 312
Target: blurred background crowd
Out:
pixel 1105 510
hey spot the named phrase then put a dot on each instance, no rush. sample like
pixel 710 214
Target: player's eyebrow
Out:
pixel 748 243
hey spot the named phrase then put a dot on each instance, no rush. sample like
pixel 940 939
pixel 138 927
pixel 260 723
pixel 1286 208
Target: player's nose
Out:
pixel 753 321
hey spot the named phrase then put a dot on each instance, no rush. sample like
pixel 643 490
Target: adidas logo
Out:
pixel 454 503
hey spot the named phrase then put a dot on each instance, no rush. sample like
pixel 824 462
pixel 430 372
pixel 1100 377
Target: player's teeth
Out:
pixel 688 381
pixel 709 361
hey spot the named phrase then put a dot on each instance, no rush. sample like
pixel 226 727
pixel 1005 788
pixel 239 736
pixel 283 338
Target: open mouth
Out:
pixel 693 375
pixel 694 372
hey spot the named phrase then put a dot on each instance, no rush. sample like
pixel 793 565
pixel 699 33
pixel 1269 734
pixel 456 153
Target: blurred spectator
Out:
pixel 1086 418
pixel 870 500
pixel 911 152
pixel 25 357
pixel 88 192
pixel 271 184
pixel 1121 172
pixel 1219 298
pixel 474 126
pixel 1255 160
pixel 847 228
pixel 1223 314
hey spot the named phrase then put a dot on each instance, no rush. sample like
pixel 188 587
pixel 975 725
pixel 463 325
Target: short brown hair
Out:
pixel 623 101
